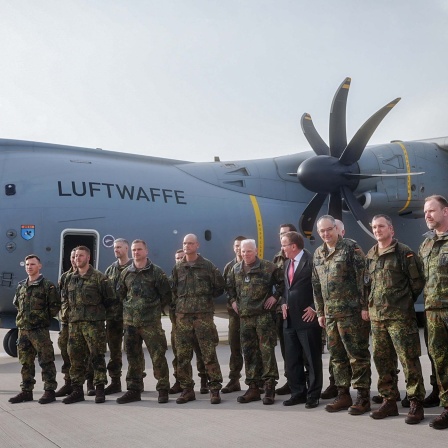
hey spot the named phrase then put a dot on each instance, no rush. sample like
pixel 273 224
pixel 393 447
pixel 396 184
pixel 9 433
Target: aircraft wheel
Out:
pixel 10 342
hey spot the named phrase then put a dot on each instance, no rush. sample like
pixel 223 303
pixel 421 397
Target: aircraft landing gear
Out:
pixel 9 342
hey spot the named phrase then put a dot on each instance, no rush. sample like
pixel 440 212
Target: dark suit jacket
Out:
pixel 299 295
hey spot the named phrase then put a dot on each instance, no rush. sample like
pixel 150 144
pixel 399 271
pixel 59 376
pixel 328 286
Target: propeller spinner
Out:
pixel 334 171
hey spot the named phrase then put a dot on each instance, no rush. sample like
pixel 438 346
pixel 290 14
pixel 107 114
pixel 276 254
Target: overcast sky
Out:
pixel 194 79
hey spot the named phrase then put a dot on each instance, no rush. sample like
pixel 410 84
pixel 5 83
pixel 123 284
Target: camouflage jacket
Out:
pixel 88 296
pixel 338 279
pixel 394 280
pixel 63 315
pixel 434 255
pixel 196 286
pixel 227 268
pixel 113 272
pixel 250 290
pixel 36 303
pixel 143 292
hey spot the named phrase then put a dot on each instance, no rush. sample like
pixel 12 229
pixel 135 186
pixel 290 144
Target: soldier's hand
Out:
pixel 270 303
pixel 235 307
pixel 365 315
pixel 285 311
pixel 321 321
pixel 309 314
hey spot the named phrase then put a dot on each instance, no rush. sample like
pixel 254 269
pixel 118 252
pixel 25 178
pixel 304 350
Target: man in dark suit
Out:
pixel 301 330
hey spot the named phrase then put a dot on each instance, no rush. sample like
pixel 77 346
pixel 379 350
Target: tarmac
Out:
pixel 198 423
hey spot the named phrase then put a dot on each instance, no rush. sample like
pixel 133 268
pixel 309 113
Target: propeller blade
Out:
pixel 338 133
pixel 354 149
pixel 309 215
pixel 357 211
pixel 335 205
pixel 369 176
pixel 313 137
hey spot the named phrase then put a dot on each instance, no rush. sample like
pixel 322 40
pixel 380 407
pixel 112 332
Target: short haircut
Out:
pixel 291 227
pixel 178 251
pixel 121 240
pixel 32 256
pixel 84 248
pixel 140 242
pixel 240 238
pixel 439 198
pixel 386 217
pixel 249 241
pixel 295 238
pixel 329 217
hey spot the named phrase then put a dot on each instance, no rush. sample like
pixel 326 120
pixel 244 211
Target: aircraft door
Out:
pixel 71 238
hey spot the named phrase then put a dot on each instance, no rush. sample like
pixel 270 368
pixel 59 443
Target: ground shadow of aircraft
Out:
pixel 56 197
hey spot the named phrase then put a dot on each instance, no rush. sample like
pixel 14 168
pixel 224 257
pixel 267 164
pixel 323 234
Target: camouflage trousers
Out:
pixel 198 326
pixel 236 355
pixel 437 321
pixel 155 340
pixel 348 344
pixel 32 343
pixel 258 341
pixel 87 341
pixel 63 347
pixel 199 361
pixel 114 333
pixel 392 338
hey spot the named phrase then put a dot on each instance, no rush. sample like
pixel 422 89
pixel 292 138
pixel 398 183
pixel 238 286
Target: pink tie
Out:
pixel 291 271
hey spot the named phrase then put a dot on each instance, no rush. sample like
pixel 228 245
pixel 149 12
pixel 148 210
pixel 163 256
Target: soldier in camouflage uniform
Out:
pixel 254 287
pixel 196 282
pixel 434 255
pixel 236 356
pixel 144 290
pixel 89 293
pixel 338 287
pixel 66 389
pixel 114 318
pixel 394 279
pixel 176 387
pixel 37 301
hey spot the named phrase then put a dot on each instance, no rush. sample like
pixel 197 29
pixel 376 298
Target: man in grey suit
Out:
pixel 301 330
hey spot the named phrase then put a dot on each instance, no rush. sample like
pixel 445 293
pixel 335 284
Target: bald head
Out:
pixel 340 227
pixel 191 246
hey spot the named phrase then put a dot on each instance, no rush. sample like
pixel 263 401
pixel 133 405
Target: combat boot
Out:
pixel 114 387
pixel 66 389
pixel 284 390
pixel 432 400
pixel 130 396
pixel 25 395
pixel 186 396
pixel 90 388
pixel 214 396
pixel 163 396
pixel 204 385
pixel 176 389
pixel 362 403
pixel 440 422
pixel 405 402
pixel 330 392
pixel 100 394
pixel 232 386
pixel 48 397
pixel 342 402
pixel 389 408
pixel 75 396
pixel 378 399
pixel 269 390
pixel 252 394
pixel 416 413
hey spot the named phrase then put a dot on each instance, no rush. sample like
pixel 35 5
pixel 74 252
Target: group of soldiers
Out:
pixel 293 298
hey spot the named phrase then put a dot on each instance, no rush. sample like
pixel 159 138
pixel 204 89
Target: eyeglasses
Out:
pixel 329 229
pixel 286 245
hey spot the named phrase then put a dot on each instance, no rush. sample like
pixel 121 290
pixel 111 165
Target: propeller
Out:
pixel 334 171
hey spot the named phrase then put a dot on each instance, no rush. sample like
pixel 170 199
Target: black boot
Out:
pixel 75 396
pixel 66 389
pixel 90 388
pixel 114 387
pixel 99 394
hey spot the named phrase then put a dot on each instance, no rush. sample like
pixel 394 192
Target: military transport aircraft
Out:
pixel 56 197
